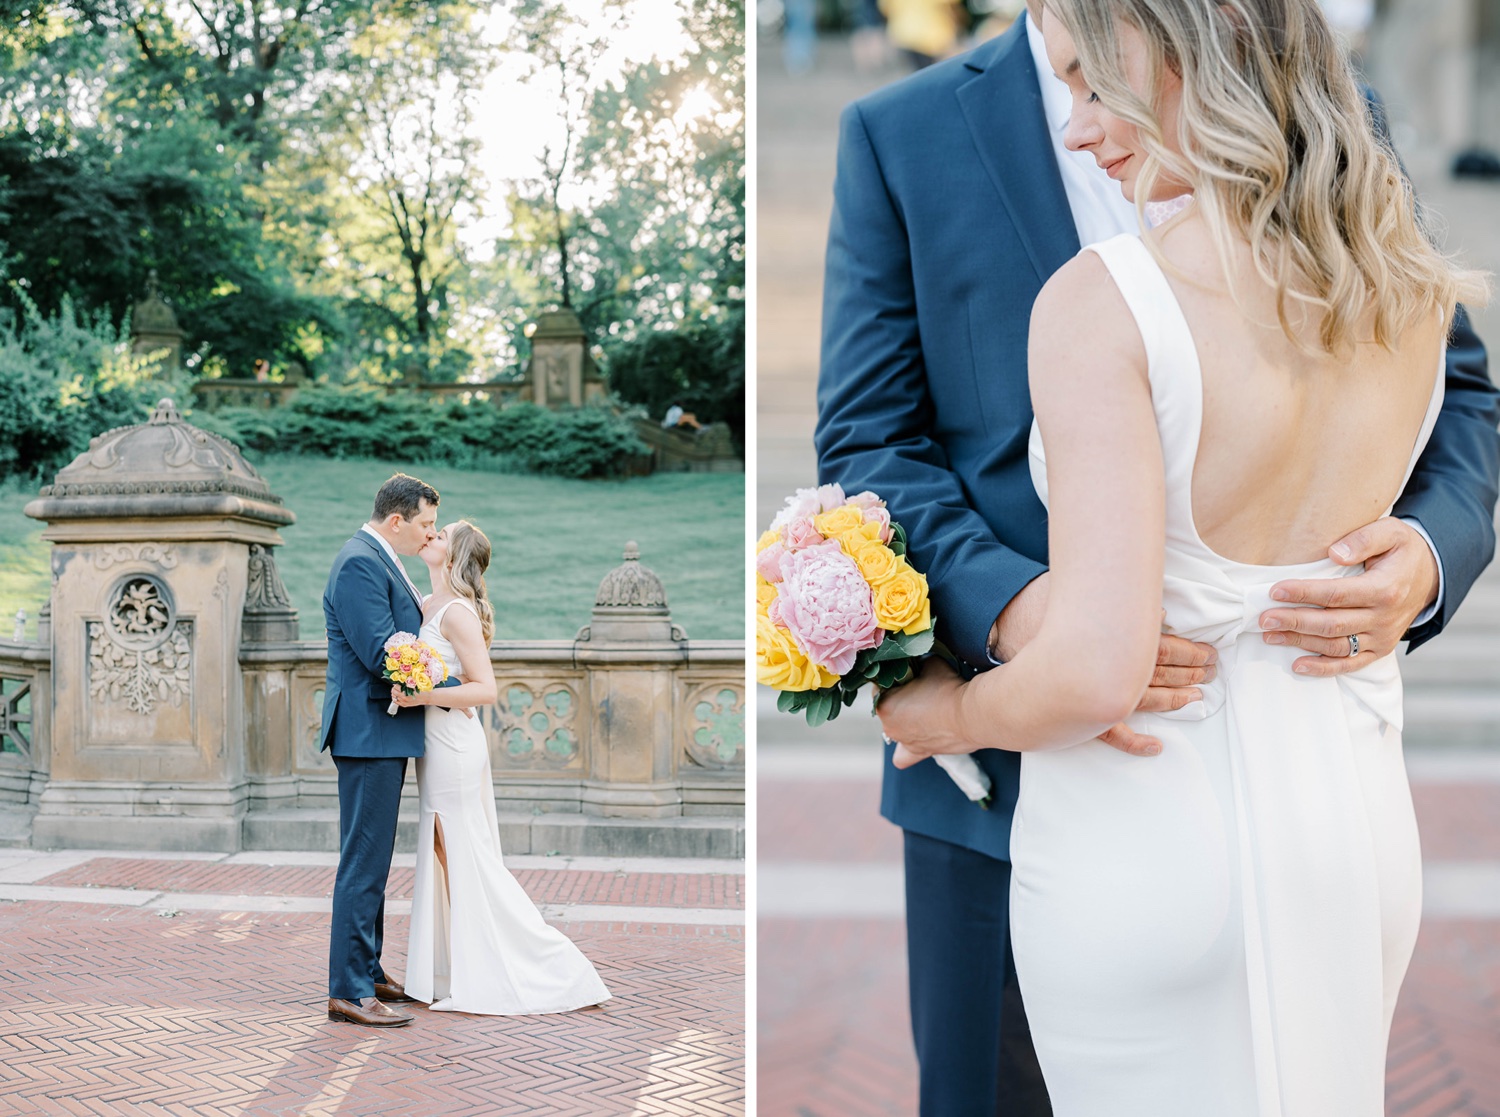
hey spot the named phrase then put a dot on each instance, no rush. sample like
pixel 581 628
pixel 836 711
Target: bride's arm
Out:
pixel 461 628
pixel 1093 656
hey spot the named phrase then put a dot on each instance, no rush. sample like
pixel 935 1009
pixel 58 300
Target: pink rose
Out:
pixel 800 533
pixel 827 606
pixel 768 562
pixel 865 500
pixel 879 515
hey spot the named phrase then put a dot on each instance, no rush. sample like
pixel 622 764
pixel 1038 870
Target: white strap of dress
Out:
pixel 437 618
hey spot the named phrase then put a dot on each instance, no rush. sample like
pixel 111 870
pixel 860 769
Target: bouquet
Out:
pixel 413 666
pixel 838 606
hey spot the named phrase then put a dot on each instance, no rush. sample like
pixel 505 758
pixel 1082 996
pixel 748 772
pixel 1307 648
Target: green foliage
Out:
pixel 700 367
pixel 63 379
pixel 364 421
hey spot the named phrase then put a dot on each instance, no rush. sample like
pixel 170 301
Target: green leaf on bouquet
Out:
pixel 898 537
pixel 919 643
pixel 821 707
pixel 790 701
pixel 891 647
pixel 894 674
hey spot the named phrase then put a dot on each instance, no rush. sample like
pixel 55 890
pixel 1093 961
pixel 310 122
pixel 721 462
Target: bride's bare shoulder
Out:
pixel 1081 325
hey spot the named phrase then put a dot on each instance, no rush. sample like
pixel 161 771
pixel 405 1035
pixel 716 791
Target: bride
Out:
pixel 1221 929
pixel 477 942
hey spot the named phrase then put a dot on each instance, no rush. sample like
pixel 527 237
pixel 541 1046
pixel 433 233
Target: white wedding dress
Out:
pixel 1220 930
pixel 488 950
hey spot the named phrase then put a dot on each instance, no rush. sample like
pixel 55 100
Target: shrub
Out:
pixel 63 380
pixel 700 367
pixel 369 422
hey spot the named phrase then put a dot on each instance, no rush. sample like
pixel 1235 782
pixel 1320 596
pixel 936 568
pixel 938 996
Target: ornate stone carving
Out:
pixel 142 677
pixel 163 456
pixel 265 592
pixel 119 553
pixel 140 612
pixel 536 725
pixel 716 735
pixel 631 585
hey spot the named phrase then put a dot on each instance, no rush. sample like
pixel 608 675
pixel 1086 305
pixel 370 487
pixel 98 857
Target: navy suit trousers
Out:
pixel 973 1043
pixel 369 800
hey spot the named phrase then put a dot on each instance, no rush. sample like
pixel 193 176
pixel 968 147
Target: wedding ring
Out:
pixel 1354 645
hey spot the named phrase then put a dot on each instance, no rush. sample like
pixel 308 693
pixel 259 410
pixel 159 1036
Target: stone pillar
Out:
pixel 562 373
pixel 161 541
pixel 629 650
pixel 153 327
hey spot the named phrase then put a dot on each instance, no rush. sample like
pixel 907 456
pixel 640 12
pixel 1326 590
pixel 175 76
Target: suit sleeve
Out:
pixel 875 414
pixel 1453 489
pixel 362 599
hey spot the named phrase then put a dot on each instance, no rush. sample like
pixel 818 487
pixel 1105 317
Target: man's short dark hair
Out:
pixel 404 495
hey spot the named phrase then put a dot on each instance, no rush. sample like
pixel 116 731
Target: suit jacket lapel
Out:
pixel 396 571
pixel 1003 107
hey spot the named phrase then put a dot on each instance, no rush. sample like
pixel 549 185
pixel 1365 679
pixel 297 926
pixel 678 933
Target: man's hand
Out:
pixel 1400 579
pixel 1180 665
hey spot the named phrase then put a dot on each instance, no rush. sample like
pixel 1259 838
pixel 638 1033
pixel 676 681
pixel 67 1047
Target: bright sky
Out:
pixel 516 118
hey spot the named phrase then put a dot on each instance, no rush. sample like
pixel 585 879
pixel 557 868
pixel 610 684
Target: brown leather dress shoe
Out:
pixel 369 1012
pixel 391 991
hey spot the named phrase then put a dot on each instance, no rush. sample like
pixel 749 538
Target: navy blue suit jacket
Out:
pixel 366 602
pixel 949 216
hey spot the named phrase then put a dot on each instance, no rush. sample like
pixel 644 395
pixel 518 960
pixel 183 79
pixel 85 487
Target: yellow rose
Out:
pixel 766 540
pixel 420 680
pixel 408 655
pixel 392 664
pixel 901 603
pixel 780 664
pixel 876 561
pixel 765 593
pixel 844 518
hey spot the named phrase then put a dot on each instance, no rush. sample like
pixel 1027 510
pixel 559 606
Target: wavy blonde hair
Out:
pixel 1278 145
pixel 468 559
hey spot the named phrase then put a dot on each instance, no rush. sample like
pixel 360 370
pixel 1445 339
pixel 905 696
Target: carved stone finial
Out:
pixel 166 412
pixel 631 585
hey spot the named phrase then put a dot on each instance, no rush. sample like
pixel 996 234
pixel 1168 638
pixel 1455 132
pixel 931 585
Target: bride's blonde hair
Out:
pixel 1277 143
pixel 468 559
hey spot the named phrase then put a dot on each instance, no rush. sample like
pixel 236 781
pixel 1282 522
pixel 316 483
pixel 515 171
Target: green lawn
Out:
pixel 554 540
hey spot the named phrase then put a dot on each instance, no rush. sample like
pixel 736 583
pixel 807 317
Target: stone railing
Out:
pixel 268 394
pixel 25 700
pixel 648 732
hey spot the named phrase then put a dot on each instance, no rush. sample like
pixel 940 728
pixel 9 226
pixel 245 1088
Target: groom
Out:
pixel 955 201
pixel 369 599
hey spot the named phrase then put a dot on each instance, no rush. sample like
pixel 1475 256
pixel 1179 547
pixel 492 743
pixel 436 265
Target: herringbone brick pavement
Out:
pixel 695 890
pixel 109 1010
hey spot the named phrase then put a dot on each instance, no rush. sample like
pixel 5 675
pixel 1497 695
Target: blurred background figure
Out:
pixel 834 1038
pixel 923 31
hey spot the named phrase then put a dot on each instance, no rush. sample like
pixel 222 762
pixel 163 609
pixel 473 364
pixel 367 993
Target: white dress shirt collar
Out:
pixel 386 546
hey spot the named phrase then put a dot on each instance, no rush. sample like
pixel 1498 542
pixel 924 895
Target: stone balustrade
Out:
pixel 168 704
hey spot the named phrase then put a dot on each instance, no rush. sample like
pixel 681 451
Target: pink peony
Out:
pixel 830 497
pixel 827 606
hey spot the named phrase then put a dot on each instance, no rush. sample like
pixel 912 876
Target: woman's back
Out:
pixel 1298 447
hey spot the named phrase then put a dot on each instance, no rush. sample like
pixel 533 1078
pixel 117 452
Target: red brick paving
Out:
pixel 833 1033
pixel 553 886
pixel 826 820
pixel 1459 822
pixel 107 1010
